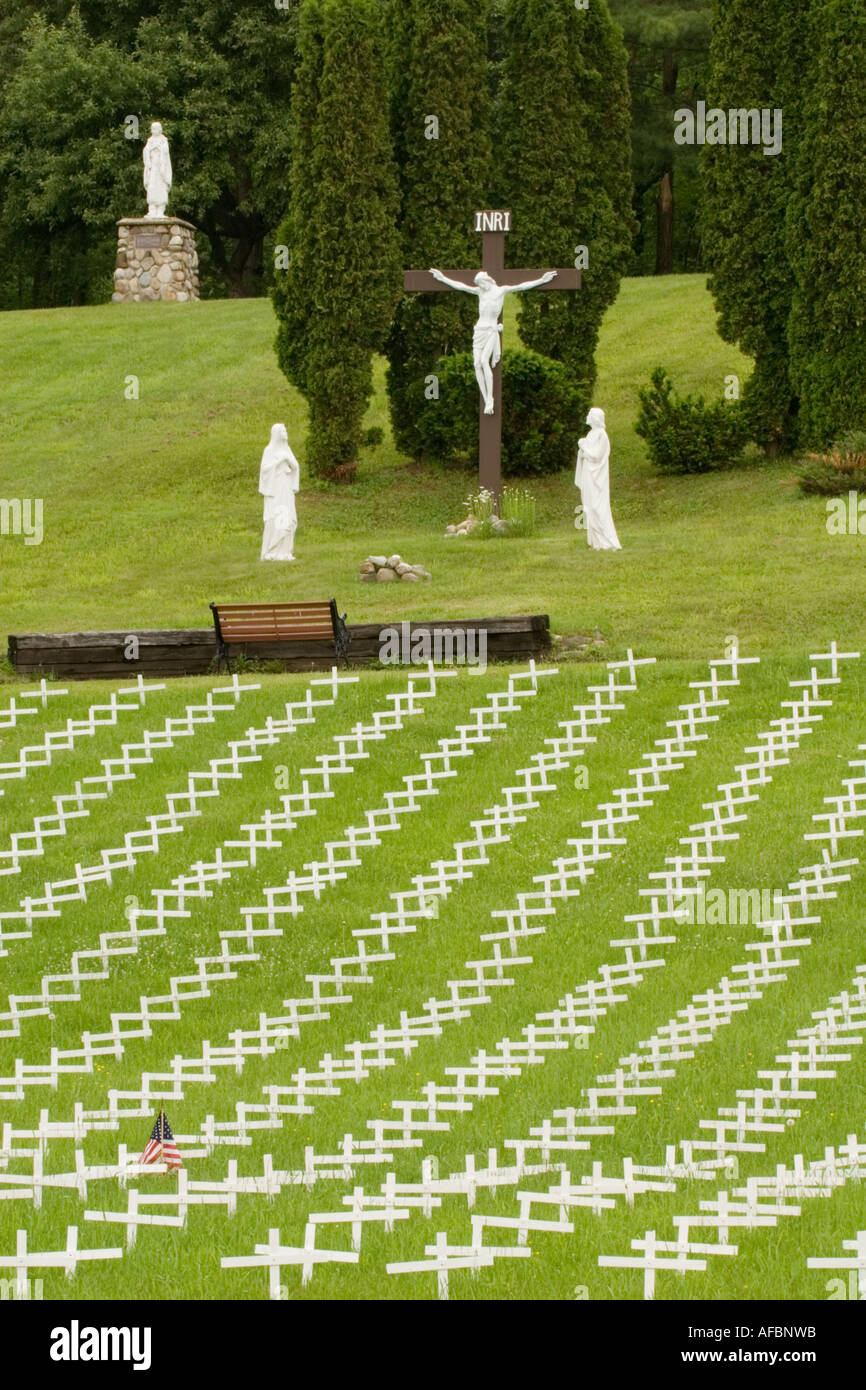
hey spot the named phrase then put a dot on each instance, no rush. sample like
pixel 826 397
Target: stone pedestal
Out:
pixel 156 260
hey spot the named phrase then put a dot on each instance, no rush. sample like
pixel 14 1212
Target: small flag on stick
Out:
pixel 160 1147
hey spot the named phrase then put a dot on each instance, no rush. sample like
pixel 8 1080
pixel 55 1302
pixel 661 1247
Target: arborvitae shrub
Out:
pixel 684 434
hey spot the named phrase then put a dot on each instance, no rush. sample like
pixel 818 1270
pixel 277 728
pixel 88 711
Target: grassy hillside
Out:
pixel 151 508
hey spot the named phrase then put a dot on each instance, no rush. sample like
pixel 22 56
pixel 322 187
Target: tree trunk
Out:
pixel 236 253
pixel 243 272
pixel 665 202
pixel 665 225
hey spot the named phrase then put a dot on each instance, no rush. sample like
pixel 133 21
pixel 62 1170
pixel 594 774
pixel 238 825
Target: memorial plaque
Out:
pixel 149 239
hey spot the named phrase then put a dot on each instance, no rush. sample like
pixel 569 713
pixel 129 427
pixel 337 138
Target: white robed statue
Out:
pixel 279 479
pixel 157 171
pixel 592 476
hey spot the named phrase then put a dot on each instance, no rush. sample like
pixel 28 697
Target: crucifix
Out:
pixel 490 286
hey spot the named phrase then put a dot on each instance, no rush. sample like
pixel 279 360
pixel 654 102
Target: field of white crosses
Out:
pixel 412 961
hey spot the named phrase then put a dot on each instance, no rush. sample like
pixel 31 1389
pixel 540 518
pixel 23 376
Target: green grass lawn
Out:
pixel 151 508
pixel 767 851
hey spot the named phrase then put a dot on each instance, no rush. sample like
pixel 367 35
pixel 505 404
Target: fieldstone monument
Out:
pixel 156 255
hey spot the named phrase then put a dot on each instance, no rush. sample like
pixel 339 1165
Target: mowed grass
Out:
pixel 151 506
pixel 768 853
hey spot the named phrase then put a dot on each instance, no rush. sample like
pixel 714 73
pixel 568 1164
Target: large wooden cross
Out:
pixel 494 226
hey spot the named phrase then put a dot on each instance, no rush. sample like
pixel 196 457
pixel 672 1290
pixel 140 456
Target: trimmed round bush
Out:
pixel 543 414
pixel 684 434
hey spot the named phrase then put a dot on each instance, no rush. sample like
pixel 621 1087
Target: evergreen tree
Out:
pixel 563 123
pixel 440 120
pixel 757 62
pixel 826 243
pixel 336 300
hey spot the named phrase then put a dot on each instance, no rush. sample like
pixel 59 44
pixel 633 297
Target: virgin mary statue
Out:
pixel 592 476
pixel 279 478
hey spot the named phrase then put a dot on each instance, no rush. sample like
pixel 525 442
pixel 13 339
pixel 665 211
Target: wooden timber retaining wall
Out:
pixel 192 651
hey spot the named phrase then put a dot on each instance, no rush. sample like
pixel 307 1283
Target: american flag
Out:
pixel 160 1147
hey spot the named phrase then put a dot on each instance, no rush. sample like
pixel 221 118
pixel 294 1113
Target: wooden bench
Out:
pixel 265 629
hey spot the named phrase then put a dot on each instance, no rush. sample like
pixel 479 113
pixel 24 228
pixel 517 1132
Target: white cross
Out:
pixel 657 1255
pixel 358 1215
pixel 235 688
pixel 858 1261
pixel 59 1259
pixel 274 1256
pixel 442 1261
pixel 140 689
pixel 834 656
pixel 44 693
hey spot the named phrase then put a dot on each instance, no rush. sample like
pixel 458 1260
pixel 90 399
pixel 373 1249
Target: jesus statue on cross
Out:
pixel 487 340
pixel 490 287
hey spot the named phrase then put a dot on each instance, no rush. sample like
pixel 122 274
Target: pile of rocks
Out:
pixel 471 523
pixel 156 259
pixel 386 569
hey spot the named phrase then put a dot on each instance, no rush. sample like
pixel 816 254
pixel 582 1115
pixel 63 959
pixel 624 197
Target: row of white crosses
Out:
pixel 757 1110
pixel 182 805
pixel 489 718
pixel 400 1197
pixel 171 901
pixel 413 905
pixel 57 740
pixel 353 1157
pixel 587 715
pixel 122 767
pixel 68 1259
pixel 579 1011
pixel 762 1203
pixel 813 1056
pixel 441 1258
pixel 641 1074
pixel 708 1011
pixel 401 1039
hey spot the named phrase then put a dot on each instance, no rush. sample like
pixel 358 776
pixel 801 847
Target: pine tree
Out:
pixel 563 122
pixel 826 243
pixel 757 62
pixel 440 120
pixel 336 300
